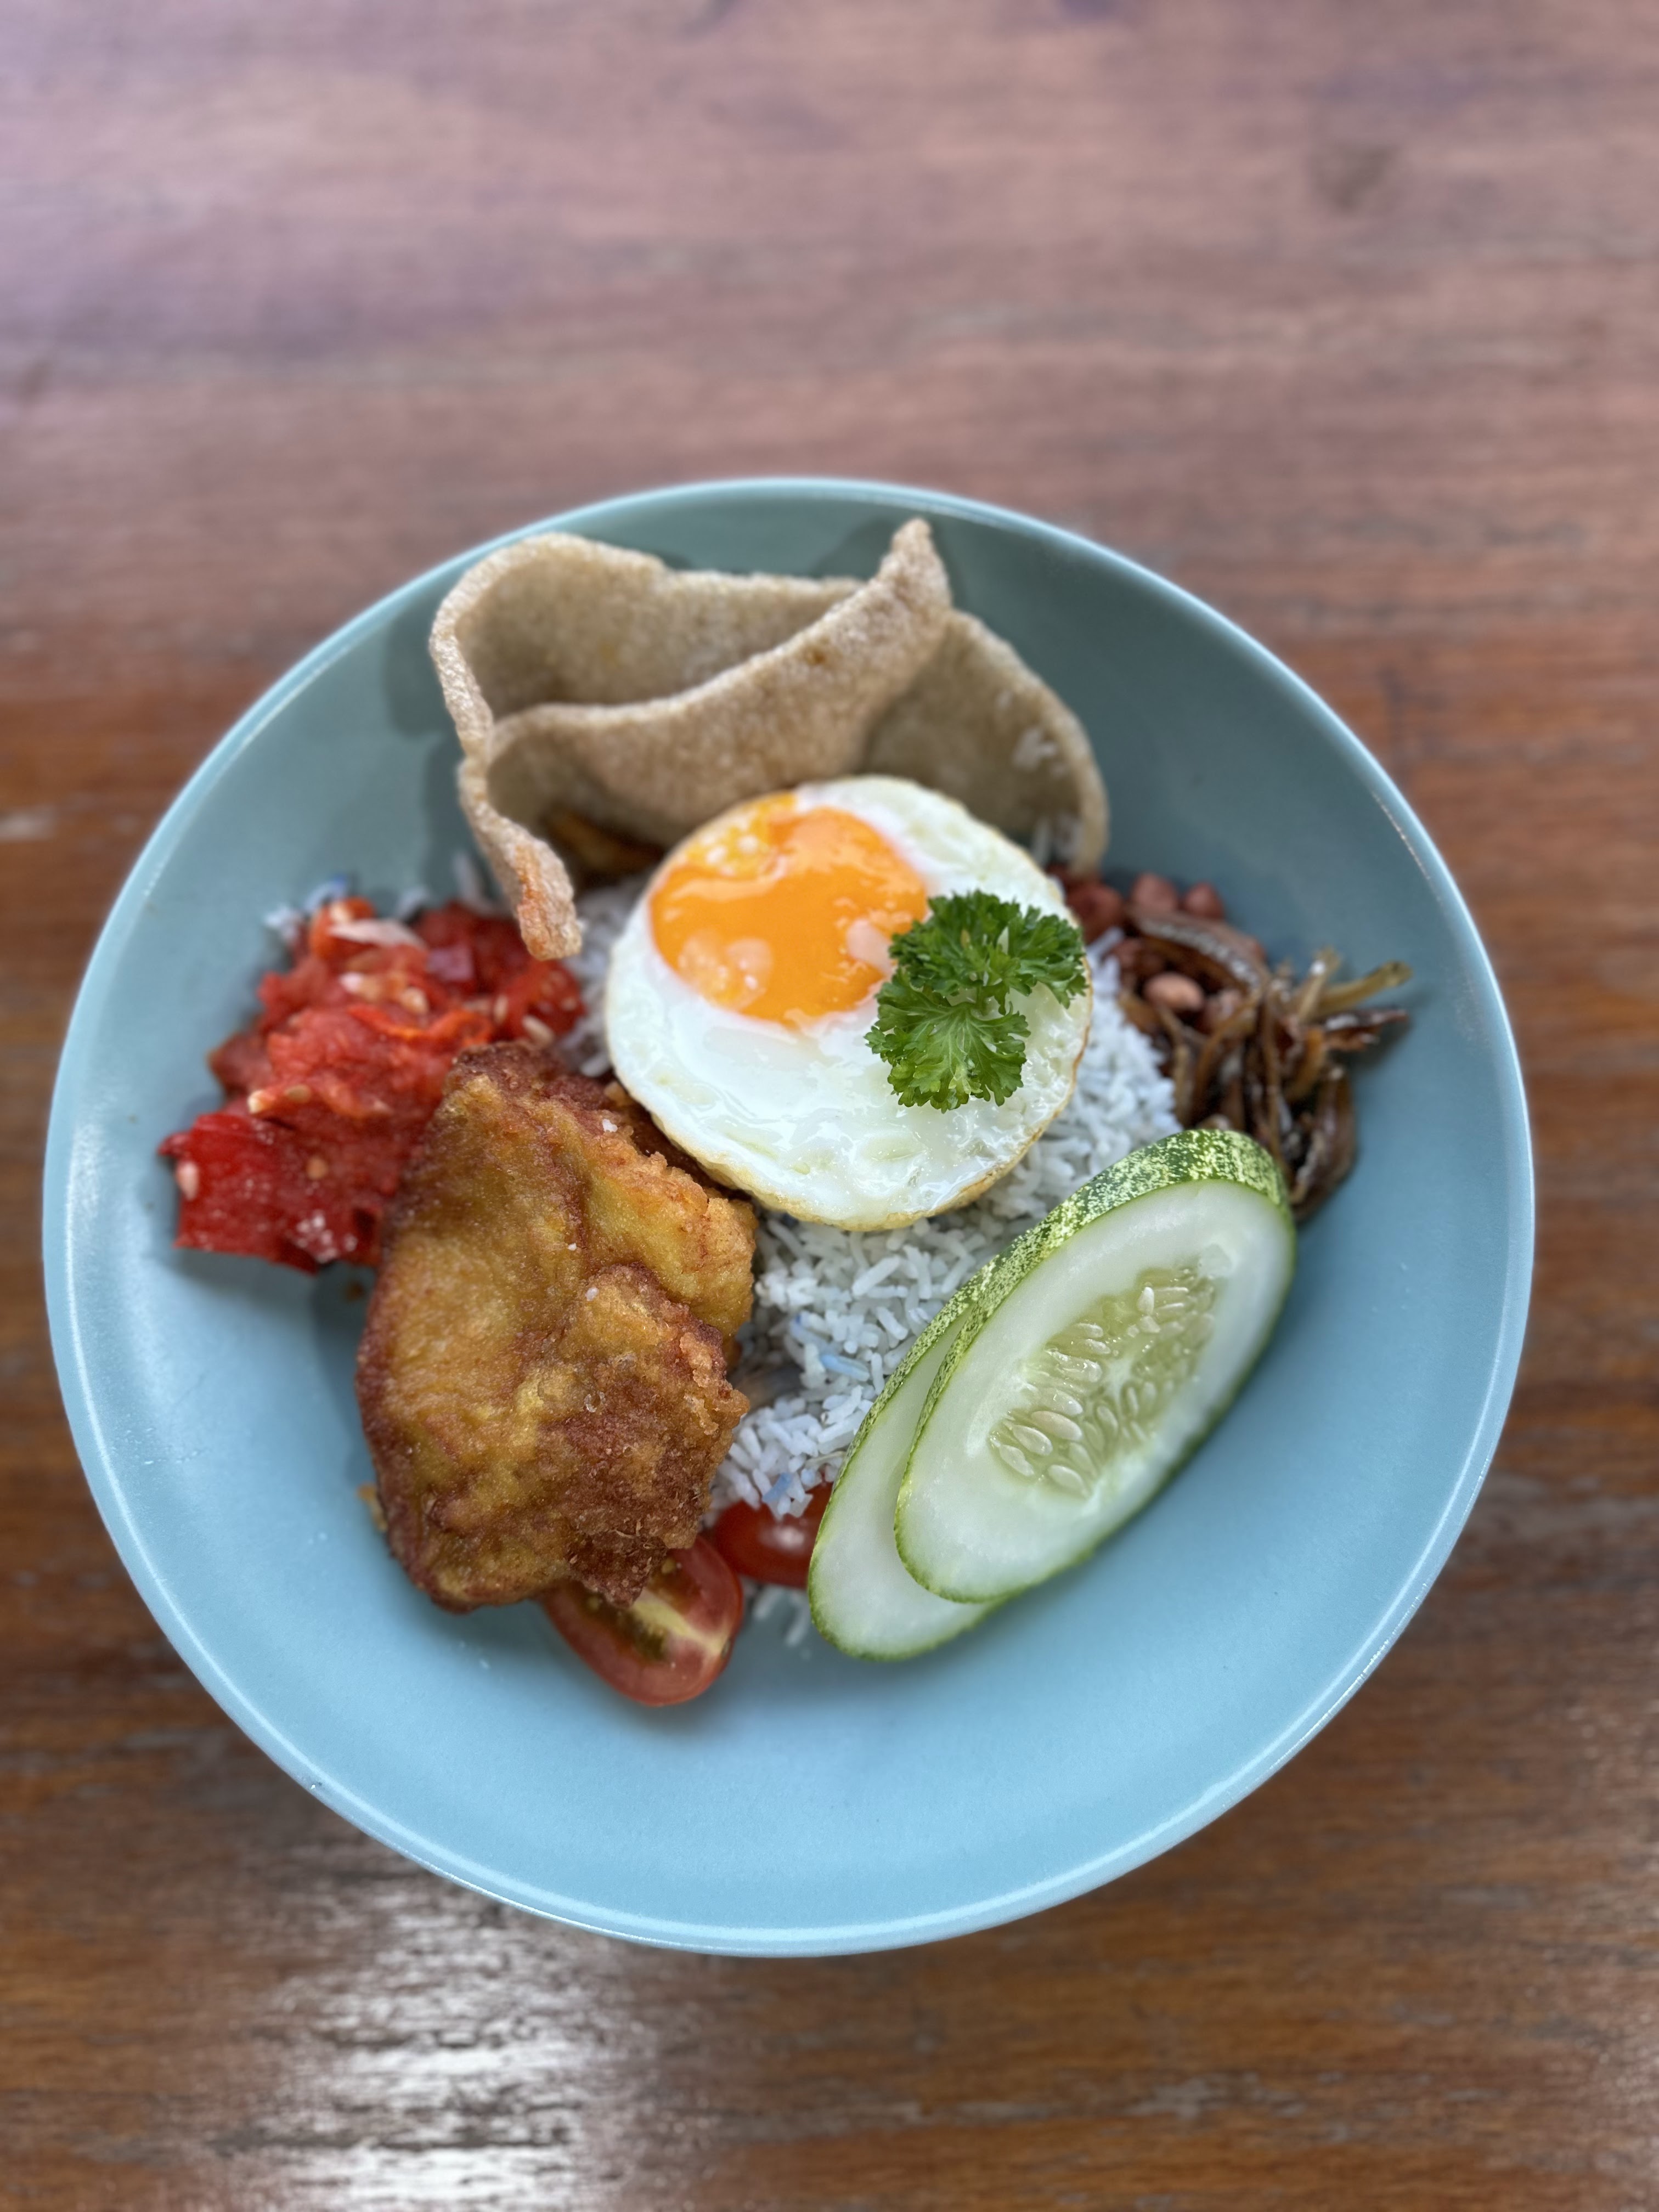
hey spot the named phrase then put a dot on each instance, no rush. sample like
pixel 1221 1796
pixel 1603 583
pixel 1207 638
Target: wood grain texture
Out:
pixel 1345 318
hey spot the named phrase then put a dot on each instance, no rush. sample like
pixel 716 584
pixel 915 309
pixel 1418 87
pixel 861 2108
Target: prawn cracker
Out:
pixel 979 725
pixel 589 682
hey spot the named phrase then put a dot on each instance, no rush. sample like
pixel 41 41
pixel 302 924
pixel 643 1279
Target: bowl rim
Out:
pixel 100 1460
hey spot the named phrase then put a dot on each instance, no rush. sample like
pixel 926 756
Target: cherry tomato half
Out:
pixel 768 1550
pixel 671 1642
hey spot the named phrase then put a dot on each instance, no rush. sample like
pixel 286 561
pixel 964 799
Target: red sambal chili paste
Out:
pixel 330 1089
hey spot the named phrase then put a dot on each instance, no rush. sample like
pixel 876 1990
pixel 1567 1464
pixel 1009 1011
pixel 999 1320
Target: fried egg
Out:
pixel 743 985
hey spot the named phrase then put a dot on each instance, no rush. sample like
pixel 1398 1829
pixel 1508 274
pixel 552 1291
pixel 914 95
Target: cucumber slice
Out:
pixel 1111 1340
pixel 862 1599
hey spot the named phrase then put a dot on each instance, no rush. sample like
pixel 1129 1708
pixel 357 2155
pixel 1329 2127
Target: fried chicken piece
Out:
pixel 543 1375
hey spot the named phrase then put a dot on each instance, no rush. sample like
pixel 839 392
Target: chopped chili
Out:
pixel 329 1089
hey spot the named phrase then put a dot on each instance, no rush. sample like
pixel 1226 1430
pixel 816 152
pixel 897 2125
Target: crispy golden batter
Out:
pixel 542 1374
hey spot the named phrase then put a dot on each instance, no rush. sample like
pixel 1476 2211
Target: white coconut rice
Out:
pixel 835 1310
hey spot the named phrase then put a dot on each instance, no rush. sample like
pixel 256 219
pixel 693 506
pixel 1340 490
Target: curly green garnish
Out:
pixel 946 1023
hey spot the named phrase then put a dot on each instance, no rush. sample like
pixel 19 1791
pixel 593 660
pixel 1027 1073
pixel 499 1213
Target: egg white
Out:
pixel 804 1119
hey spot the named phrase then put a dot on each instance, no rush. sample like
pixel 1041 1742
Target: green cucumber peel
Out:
pixel 1192 1156
pixel 829 1615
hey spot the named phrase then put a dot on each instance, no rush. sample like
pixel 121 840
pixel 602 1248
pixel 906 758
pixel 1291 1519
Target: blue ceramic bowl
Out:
pixel 812 1803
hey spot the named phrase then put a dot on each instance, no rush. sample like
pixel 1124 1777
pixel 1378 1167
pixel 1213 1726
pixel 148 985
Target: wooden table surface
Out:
pixel 1347 318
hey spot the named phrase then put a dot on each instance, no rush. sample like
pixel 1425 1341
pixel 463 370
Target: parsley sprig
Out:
pixel 945 1021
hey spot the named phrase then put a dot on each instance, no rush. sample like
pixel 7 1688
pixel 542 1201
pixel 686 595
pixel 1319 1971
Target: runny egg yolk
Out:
pixel 784 912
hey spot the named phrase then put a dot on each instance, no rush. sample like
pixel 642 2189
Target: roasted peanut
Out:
pixel 1182 994
pixel 1156 893
pixel 1096 908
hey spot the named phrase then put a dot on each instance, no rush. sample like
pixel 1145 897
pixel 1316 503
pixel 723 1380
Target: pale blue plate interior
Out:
pixel 812 1803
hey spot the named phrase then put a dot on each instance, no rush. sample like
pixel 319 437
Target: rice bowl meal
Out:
pixel 812 1176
